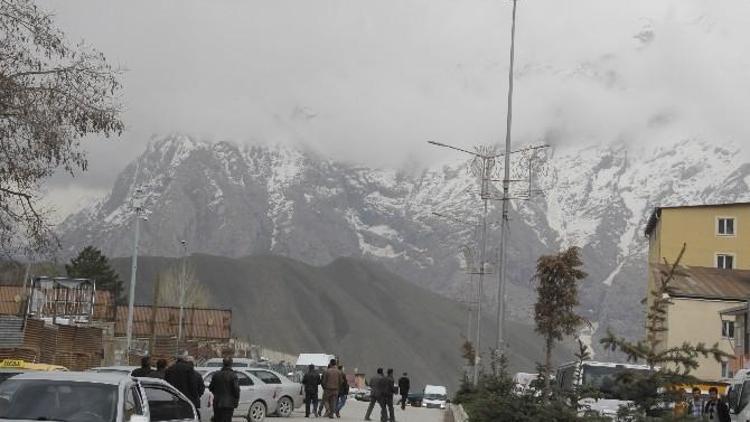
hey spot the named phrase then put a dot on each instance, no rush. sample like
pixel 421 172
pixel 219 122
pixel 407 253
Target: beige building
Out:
pixel 717 240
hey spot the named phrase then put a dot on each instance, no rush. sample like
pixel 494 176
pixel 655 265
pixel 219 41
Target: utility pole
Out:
pixel 183 275
pixel 485 162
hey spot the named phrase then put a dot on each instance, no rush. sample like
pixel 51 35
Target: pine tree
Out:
pixel 670 365
pixel 557 297
pixel 91 263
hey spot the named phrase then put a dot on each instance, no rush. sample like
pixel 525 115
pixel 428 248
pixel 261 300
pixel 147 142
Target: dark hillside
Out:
pixel 353 308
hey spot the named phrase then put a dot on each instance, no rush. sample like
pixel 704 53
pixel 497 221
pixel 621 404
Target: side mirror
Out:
pixel 138 418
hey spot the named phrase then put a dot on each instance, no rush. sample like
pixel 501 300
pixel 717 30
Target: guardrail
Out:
pixel 458 414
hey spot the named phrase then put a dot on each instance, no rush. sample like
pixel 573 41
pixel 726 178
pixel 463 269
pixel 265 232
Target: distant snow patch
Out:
pixel 608 281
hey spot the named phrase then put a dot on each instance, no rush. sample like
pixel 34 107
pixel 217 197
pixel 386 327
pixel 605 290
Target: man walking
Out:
pixel 145 369
pixel 183 377
pixel 311 381
pixel 331 382
pixel 377 386
pixel 403 388
pixel 225 387
pixel 716 410
pixel 390 390
pixel 343 392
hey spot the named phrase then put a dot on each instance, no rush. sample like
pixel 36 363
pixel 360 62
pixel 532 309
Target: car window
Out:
pixel 132 404
pixel 267 377
pixel 239 365
pixel 58 400
pixel 165 405
pixel 244 379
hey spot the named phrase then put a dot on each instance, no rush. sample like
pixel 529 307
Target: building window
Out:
pixel 725 371
pixel 725 261
pixel 727 329
pixel 725 226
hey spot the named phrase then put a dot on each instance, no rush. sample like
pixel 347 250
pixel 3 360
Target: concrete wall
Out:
pixel 694 321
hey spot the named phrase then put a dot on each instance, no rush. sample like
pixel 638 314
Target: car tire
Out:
pixel 286 407
pixel 257 412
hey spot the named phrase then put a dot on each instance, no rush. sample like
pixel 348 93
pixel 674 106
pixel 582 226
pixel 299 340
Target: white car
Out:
pixel 435 396
pixel 290 394
pixel 257 399
pixel 236 363
pixel 114 369
pixel 92 397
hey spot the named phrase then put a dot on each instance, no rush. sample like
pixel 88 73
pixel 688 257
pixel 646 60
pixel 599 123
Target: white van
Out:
pixel 435 396
pixel 602 377
pixel 739 396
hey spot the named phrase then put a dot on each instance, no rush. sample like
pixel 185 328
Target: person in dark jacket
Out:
pixel 311 381
pixel 343 392
pixel 161 367
pixel 225 386
pixel 390 390
pixel 145 369
pixel 331 382
pixel 200 386
pixel 403 388
pixel 183 377
pixel 378 383
pixel 716 410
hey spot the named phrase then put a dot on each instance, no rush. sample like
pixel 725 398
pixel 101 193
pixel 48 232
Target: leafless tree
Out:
pixel 196 294
pixel 52 95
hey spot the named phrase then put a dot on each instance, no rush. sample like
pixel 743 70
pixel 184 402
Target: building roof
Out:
pixel 656 213
pixel 707 283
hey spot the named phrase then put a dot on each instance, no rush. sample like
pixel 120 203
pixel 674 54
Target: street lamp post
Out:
pixel 133 271
pixel 182 277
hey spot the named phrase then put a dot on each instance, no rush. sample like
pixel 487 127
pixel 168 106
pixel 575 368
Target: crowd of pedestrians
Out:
pixel 711 409
pixel 382 390
pixel 183 376
pixel 335 390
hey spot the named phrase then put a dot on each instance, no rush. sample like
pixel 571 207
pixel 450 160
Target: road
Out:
pixel 355 411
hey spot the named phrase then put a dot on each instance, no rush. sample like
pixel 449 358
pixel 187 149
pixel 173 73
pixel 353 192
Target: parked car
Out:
pixel 12 367
pixel 415 399
pixel 257 399
pixel 236 363
pixel 291 394
pixel 363 394
pixel 92 397
pixel 114 369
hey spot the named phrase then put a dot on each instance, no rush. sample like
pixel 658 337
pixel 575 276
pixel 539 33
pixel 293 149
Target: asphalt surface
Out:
pixel 355 411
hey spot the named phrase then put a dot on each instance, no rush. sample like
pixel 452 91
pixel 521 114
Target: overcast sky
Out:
pixel 372 81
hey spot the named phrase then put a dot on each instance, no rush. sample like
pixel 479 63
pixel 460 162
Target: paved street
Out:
pixel 355 411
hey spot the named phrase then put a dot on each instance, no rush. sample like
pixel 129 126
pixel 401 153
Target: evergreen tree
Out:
pixel 557 297
pixel 670 365
pixel 91 263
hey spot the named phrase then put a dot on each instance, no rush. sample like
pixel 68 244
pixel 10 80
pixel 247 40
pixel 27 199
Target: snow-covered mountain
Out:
pixel 232 200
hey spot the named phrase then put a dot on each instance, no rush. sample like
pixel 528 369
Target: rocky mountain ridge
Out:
pixel 232 200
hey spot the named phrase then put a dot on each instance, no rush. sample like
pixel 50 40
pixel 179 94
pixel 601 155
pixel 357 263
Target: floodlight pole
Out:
pixel 504 223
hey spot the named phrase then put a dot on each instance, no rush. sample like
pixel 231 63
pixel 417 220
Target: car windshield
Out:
pixel 608 380
pixel 65 401
pixel 435 396
pixel 214 364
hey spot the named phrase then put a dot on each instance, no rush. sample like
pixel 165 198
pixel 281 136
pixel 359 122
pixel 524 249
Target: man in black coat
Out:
pixel 311 381
pixel 183 377
pixel 403 388
pixel 225 387
pixel 145 369
pixel 390 391
pixel 715 410
pixel 378 385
